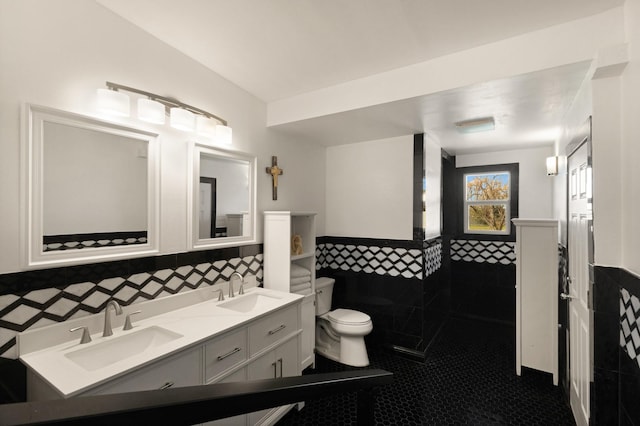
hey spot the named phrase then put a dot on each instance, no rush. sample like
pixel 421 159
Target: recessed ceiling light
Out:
pixel 476 125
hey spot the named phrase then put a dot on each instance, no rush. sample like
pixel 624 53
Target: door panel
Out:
pixel 580 315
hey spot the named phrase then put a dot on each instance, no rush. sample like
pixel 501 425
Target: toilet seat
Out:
pixel 348 317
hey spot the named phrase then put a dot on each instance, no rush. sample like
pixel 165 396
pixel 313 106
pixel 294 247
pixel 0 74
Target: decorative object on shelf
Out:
pixel 274 171
pixel 296 245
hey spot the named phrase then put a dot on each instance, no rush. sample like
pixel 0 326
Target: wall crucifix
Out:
pixel 274 171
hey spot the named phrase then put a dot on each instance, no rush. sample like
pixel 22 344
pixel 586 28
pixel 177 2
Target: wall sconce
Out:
pixel 552 165
pixel 154 108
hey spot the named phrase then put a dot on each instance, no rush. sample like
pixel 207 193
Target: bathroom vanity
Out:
pixel 183 340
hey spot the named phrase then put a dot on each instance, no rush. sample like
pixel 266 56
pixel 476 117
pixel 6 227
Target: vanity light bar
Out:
pixel 167 102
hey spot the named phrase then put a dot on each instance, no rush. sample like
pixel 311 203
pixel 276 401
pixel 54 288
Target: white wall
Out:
pixel 535 187
pixel 369 189
pixel 607 171
pixel 57 53
pixel 630 141
pixel 433 187
pixel 580 111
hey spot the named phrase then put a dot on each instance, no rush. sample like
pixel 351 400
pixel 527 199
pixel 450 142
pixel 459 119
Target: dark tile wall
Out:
pixel 390 280
pixel 483 277
pixel 616 386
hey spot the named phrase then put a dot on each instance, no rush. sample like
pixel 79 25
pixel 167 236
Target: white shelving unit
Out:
pixel 537 295
pixel 279 228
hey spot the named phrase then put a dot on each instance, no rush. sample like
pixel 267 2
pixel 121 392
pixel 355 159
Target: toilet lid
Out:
pixel 348 316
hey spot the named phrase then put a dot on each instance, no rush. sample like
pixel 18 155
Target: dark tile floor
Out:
pixel 468 378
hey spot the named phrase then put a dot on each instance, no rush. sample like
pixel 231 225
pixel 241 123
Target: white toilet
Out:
pixel 340 333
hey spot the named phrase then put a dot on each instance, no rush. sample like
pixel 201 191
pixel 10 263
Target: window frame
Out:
pixel 504 202
pixel 511 203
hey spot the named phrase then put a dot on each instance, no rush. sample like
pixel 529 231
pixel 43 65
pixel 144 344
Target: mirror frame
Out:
pixel 31 206
pixel 195 242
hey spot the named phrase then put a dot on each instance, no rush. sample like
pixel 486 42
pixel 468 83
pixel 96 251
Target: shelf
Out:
pixel 302 256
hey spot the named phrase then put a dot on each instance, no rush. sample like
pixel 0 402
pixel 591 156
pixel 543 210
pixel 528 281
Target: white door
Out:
pixel 579 229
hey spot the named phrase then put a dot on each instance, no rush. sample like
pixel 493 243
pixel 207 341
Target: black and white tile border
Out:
pixel 630 325
pixel 502 252
pixel 393 261
pixel 432 256
pixel 46 306
pixel 103 239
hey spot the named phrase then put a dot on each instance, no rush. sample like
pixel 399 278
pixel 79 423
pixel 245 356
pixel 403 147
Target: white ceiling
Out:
pixel 276 49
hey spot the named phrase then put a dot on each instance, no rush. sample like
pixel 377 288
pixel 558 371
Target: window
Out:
pixel 487 198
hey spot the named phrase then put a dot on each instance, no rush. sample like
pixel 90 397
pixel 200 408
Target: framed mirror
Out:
pixel 89 189
pixel 222 192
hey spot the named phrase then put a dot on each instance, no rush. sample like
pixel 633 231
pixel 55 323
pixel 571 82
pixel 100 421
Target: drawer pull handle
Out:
pixel 228 354
pixel 279 361
pixel 275 330
pixel 275 370
pixel 167 385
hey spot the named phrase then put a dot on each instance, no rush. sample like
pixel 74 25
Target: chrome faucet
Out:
pixel 241 289
pixel 107 318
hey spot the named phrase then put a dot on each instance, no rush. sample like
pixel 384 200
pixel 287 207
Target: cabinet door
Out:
pixel 308 337
pixel 181 370
pixel 241 420
pixel 281 362
pixel 287 359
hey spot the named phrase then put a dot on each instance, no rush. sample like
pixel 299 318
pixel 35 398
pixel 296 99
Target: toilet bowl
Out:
pixel 340 333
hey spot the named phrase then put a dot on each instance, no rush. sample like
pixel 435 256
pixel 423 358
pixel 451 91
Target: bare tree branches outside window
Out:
pixel 487 202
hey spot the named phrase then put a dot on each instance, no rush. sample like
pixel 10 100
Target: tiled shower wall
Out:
pixel 38 298
pixel 388 279
pixel 483 275
pixel 616 386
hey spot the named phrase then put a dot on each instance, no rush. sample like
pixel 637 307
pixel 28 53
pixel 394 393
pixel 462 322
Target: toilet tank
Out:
pixel 324 291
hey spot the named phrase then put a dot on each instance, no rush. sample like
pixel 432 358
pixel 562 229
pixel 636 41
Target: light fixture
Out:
pixel 205 127
pixel 151 111
pixel 476 125
pixel 223 134
pixel 552 166
pixel 113 102
pixel 154 108
pixel 182 119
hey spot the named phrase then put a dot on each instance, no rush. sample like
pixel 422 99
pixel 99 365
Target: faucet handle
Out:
pixel 86 337
pixel 127 321
pixel 220 294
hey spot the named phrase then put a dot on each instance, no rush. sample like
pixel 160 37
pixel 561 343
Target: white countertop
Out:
pixel 196 323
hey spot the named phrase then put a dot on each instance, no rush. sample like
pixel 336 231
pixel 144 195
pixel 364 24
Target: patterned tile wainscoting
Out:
pixel 483 279
pixel 502 252
pixel 363 257
pixel 616 386
pixel 38 298
pixel 387 279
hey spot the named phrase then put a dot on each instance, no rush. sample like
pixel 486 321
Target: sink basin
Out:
pixel 121 347
pixel 248 303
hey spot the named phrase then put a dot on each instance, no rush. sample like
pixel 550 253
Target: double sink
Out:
pixel 166 326
pixel 122 346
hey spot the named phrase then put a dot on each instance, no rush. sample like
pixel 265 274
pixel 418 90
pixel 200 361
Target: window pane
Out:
pixel 487 217
pixel 487 187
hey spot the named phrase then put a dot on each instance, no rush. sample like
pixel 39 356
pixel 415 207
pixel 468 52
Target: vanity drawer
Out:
pixel 181 370
pixel 274 327
pixel 225 352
